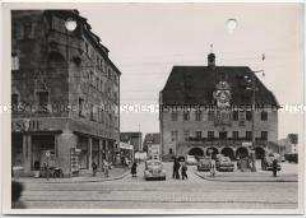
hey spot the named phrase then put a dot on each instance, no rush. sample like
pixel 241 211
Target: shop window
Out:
pixel 264 116
pixel 174 116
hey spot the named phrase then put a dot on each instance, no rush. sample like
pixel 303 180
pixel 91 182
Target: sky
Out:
pixel 147 40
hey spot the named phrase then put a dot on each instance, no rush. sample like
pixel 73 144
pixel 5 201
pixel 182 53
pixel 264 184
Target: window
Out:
pixel 235 134
pixel 248 135
pixel 81 107
pixel 43 100
pixel 186 115
pixel 15 102
pixel 264 135
pixel 91 112
pixel 211 115
pixel 235 115
pixel 174 116
pixel 248 115
pixel 186 134
pixel 198 116
pixel 264 116
pixel 15 62
pixel 223 135
pixel 170 151
pixel 211 134
pixel 174 135
pixel 198 134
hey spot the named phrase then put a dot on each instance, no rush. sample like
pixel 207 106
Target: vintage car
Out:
pixel 191 160
pixel 224 164
pixel 267 162
pixel 154 170
pixel 203 164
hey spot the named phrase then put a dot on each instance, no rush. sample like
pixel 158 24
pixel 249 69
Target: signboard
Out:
pixel 246 144
pixel 74 160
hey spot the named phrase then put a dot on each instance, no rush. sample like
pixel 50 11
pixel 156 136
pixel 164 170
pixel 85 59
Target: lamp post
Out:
pixel 252 81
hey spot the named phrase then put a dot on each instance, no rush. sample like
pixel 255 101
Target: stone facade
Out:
pixel 65 92
pixel 202 110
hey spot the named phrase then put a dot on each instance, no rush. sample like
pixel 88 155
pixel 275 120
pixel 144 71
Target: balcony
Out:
pixel 196 139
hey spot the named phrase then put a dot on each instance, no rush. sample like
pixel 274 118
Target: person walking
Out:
pixel 94 169
pixel 212 167
pixel 106 168
pixel 134 169
pixel 174 168
pixel 177 170
pixel 274 167
pixel 184 171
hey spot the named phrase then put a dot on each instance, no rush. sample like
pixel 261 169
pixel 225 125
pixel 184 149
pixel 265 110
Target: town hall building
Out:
pixel 216 110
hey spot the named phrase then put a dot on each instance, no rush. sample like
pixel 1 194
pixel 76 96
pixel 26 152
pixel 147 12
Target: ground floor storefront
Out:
pixel 74 152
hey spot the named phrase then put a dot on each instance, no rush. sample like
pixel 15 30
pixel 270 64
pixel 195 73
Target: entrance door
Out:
pixel 40 145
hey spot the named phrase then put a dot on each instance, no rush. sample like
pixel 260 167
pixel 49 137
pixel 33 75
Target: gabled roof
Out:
pixel 194 85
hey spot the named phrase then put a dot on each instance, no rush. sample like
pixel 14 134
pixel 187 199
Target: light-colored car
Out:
pixel 191 160
pixel 154 170
pixel 224 164
pixel 204 164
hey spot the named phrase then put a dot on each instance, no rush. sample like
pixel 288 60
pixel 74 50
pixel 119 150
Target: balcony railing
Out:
pixel 224 139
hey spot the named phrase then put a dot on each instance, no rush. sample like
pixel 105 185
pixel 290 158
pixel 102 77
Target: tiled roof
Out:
pixel 194 85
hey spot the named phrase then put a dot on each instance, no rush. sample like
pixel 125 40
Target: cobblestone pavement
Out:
pixel 136 193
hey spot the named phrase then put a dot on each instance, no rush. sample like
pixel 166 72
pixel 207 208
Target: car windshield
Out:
pixel 154 164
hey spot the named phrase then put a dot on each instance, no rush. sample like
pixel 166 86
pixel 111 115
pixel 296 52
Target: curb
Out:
pixel 220 180
pixel 104 179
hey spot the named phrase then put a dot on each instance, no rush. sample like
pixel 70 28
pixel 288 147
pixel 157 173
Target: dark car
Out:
pixel 203 164
pixel 224 164
pixel 267 163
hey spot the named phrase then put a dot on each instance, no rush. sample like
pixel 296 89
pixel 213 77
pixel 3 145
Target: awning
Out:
pixel 126 146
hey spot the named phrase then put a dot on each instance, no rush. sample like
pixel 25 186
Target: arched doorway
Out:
pixel 260 153
pixel 197 152
pixel 228 152
pixel 212 151
pixel 242 152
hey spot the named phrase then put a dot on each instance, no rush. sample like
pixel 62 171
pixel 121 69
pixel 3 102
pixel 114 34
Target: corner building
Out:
pixel 208 109
pixel 65 93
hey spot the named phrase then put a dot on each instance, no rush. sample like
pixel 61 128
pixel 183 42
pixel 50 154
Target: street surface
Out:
pixel 136 193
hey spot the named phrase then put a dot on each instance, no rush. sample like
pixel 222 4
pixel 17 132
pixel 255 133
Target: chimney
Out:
pixel 211 60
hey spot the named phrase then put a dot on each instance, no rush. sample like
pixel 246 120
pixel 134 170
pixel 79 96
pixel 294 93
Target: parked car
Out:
pixel 154 170
pixel 224 164
pixel 191 160
pixel 203 164
pixel 267 163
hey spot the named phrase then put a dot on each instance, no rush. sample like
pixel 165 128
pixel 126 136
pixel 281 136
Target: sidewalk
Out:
pixel 260 176
pixel 114 174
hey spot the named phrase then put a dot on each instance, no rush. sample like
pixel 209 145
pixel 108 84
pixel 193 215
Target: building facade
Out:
pixel 65 93
pixel 132 138
pixel 216 109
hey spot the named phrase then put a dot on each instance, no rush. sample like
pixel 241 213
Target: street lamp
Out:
pixel 252 81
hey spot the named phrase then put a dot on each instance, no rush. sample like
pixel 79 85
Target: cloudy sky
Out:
pixel 146 40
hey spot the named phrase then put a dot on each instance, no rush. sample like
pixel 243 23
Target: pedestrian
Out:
pixel 177 169
pixel 106 168
pixel 274 167
pixel 184 171
pixel 134 169
pixel 174 168
pixel 94 169
pixel 212 167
